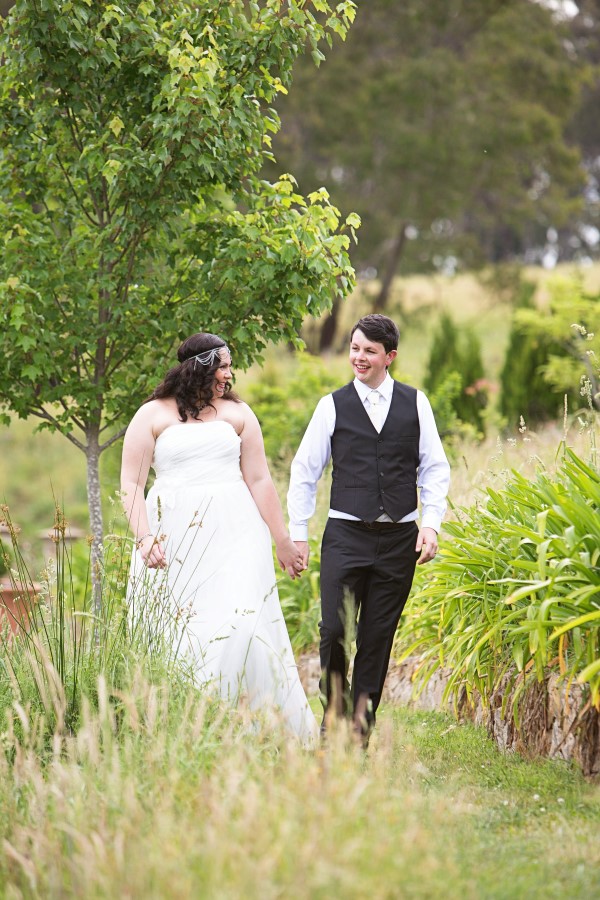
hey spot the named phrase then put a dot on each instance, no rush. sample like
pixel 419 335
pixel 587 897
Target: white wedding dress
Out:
pixel 218 592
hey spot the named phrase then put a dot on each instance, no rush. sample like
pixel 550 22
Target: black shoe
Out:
pixel 364 722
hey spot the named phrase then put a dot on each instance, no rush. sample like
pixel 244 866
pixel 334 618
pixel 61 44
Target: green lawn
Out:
pixel 518 828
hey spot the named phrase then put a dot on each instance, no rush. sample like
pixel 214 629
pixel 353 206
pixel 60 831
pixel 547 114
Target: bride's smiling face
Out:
pixel 222 376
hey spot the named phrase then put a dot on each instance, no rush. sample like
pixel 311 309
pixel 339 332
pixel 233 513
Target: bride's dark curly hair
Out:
pixel 191 383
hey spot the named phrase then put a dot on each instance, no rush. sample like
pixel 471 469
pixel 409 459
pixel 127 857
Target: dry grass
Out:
pixel 489 463
pixel 184 801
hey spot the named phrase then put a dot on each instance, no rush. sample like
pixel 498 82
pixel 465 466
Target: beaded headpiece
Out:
pixel 209 356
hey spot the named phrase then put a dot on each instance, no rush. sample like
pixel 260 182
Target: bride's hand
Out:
pixel 289 558
pixel 152 552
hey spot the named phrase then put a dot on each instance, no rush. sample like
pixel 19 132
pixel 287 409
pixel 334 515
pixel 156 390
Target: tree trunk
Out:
pixel 382 298
pixel 95 507
pixel 5 7
pixel 329 328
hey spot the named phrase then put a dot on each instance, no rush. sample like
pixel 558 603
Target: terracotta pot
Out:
pixel 16 601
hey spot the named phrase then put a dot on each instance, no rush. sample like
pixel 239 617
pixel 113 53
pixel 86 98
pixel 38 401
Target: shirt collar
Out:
pixel 386 388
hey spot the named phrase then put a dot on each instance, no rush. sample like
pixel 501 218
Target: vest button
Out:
pixel 381 507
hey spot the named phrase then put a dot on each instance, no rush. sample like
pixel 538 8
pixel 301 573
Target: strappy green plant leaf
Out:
pixel 516 587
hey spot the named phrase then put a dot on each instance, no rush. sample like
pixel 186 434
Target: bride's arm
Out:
pixel 255 472
pixel 138 449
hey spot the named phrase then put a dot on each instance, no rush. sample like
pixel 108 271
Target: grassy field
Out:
pixel 481 303
pixel 160 795
pixel 185 803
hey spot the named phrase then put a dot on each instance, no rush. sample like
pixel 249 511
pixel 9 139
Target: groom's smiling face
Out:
pixel 369 359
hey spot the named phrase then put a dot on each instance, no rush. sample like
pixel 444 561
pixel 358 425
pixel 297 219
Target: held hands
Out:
pixel 427 545
pixel 290 557
pixel 305 551
pixel 151 552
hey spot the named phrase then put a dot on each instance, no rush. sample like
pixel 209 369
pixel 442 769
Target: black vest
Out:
pixel 375 473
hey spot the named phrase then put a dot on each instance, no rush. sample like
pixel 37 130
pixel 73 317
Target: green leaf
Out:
pixel 589 672
pixel 116 125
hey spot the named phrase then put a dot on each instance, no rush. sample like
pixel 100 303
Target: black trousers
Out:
pixel 366 577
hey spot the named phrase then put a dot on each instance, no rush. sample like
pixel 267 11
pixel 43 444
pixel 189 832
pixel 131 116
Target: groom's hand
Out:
pixel 289 557
pixel 304 551
pixel 427 545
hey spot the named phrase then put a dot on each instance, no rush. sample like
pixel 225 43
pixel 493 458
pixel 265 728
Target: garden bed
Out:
pixel 552 722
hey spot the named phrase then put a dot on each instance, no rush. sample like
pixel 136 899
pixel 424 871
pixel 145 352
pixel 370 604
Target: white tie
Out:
pixel 375 410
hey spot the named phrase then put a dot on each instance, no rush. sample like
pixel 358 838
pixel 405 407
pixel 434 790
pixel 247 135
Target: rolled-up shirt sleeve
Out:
pixel 313 455
pixel 434 472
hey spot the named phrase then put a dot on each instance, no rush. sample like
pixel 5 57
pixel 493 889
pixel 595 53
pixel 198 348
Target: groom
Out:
pixel 384 444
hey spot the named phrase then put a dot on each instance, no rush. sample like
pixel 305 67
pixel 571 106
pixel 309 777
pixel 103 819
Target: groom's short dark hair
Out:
pixel 380 329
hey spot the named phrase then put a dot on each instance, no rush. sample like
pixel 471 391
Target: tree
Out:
pixel 442 124
pixel 131 141
pixel 584 130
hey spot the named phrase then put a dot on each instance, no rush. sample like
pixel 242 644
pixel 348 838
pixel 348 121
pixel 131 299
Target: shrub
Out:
pixel 516 588
pixel 571 344
pixel 460 353
pixel 524 390
pixel 284 406
pixel 451 428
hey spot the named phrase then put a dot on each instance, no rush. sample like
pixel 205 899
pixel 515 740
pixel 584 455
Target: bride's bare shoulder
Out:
pixel 245 410
pixel 156 415
pixel 249 419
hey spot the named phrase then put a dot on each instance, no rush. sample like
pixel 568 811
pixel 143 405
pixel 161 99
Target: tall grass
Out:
pixel 52 664
pixel 158 794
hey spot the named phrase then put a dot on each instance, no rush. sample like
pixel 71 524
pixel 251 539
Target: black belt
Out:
pixel 381 526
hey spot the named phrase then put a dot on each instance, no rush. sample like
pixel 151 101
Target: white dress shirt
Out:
pixel 314 453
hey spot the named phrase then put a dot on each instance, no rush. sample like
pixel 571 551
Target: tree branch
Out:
pixel 41 413
pixel 118 434
pixel 72 128
pixel 75 194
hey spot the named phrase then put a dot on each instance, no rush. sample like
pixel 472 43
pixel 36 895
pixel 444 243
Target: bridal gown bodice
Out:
pixel 219 587
pixel 194 456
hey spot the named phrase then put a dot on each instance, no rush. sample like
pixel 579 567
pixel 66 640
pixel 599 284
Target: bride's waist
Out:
pixel 191 481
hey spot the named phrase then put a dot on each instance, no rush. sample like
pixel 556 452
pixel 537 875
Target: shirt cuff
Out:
pixel 299 532
pixel 431 520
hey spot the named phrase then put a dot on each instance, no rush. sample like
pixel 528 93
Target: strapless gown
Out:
pixel 219 589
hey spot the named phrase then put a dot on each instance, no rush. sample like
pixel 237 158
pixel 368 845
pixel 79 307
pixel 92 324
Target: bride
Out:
pixel 202 533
